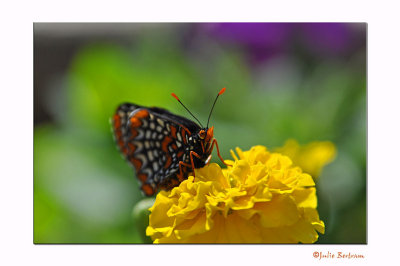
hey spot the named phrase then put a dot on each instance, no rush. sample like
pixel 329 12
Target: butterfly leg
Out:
pixel 181 164
pixel 191 160
pixel 202 146
pixel 219 155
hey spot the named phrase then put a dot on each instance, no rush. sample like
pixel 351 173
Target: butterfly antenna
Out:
pixel 212 108
pixel 176 97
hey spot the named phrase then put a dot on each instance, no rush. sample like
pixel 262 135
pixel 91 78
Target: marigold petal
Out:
pixel 219 230
pixel 248 230
pixel 210 210
pixel 319 226
pixel 280 211
pixel 305 198
pixel 239 173
pixel 277 235
pixel 305 180
pixel 258 174
pixel 188 228
pixel 158 218
pixel 303 231
pixel 311 215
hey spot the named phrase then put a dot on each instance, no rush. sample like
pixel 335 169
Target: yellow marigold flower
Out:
pixel 261 198
pixel 311 157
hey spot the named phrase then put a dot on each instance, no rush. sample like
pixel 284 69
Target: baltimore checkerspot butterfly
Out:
pixel 162 147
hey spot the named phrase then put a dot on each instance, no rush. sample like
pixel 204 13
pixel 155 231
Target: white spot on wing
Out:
pixel 148 134
pixel 150 155
pixel 139 146
pixel 147 144
pixel 159 121
pixel 140 135
pixel 155 166
pixel 143 158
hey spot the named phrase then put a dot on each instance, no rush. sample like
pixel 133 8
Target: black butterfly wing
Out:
pixel 189 124
pixel 153 140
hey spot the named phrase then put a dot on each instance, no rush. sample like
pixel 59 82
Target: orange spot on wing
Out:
pixel 183 132
pixel 121 144
pixel 164 147
pixel 180 153
pixel 134 133
pixel 142 177
pixel 168 162
pixel 135 122
pixel 122 148
pixel 137 163
pixel 142 113
pixel 147 189
pixel 131 147
pixel 173 131
pixel 164 144
pixel 174 146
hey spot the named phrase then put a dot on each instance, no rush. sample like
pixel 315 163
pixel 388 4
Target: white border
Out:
pixel 17 128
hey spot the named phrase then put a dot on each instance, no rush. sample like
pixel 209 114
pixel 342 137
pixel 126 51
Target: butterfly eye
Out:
pixel 202 134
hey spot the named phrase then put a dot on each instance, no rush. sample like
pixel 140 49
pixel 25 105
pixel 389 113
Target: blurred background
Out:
pixel 302 81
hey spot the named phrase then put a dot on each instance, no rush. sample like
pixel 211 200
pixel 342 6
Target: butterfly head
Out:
pixel 206 134
pixel 202 134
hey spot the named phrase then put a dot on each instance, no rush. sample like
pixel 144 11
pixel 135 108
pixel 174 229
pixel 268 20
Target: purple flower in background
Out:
pixel 263 40
pixel 252 35
pixel 260 40
pixel 327 39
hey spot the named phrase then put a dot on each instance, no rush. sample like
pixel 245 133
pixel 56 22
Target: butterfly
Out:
pixel 163 148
